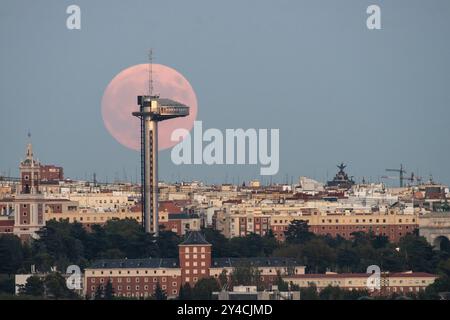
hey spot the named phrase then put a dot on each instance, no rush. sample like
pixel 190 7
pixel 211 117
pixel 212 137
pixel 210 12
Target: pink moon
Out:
pixel 120 100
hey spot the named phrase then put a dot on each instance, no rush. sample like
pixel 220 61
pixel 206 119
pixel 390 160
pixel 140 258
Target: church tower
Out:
pixel 29 173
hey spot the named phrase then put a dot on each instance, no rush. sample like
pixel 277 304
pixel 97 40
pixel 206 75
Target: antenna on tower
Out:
pixel 150 72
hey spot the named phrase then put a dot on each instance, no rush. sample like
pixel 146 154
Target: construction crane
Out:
pixel 401 173
pixel 402 176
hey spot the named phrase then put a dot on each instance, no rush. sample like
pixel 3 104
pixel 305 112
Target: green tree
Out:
pixel 417 253
pixel 159 294
pixel 204 288
pixel 185 292
pixel 99 293
pixel 34 286
pixel 246 275
pixel 7 284
pixel 11 254
pixel 309 293
pixel 298 232
pixel 223 278
pixel 56 288
pixel 109 291
pixel 331 293
pixel 167 244
pixel 280 283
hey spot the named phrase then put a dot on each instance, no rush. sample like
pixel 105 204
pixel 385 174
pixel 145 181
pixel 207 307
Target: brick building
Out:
pixel 401 282
pixel 139 277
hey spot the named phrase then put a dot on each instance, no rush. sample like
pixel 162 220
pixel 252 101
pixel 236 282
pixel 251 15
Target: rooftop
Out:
pixel 195 237
pixel 135 263
pixel 257 261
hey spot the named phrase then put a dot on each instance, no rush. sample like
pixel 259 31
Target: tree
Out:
pixel 109 291
pixel 331 293
pixel 309 293
pixel 34 286
pixel 7 284
pixel 418 254
pixel 280 283
pixel 55 287
pixel 159 294
pixel 317 255
pixel 11 254
pixel 167 244
pixel 99 293
pixel 218 241
pixel 204 288
pixel 298 232
pixel 246 275
pixel 223 278
pixel 185 292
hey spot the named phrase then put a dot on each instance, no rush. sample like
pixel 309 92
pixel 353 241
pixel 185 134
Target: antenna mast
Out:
pixel 150 72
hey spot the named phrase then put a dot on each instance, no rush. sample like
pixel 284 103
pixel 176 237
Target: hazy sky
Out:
pixel 336 90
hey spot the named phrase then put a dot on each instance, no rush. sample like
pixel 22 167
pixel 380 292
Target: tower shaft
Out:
pixel 150 175
pixel 152 110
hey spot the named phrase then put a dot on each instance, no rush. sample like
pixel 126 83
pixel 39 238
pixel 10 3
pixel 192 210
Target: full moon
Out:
pixel 120 100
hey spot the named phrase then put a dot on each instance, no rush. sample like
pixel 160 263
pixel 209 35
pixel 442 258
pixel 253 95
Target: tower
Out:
pixel 195 258
pixel 153 109
pixel 29 172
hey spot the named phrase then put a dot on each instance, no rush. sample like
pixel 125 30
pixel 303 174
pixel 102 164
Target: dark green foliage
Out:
pixel 298 232
pixel 185 292
pixel 204 288
pixel 33 287
pixel 11 254
pixel 159 294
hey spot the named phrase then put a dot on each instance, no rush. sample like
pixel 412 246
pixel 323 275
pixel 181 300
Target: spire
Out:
pixel 29 153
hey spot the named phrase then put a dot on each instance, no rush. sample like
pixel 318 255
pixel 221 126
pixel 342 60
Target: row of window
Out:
pixel 137 272
pixel 136 280
pixel 137 288
pixel 195 271
pixel 194 249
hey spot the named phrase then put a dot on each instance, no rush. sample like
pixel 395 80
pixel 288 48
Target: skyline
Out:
pixel 371 99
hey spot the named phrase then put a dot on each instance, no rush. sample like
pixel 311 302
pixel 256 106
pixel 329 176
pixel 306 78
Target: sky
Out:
pixel 335 90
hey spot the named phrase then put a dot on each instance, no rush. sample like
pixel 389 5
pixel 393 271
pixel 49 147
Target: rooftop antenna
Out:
pixel 150 72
